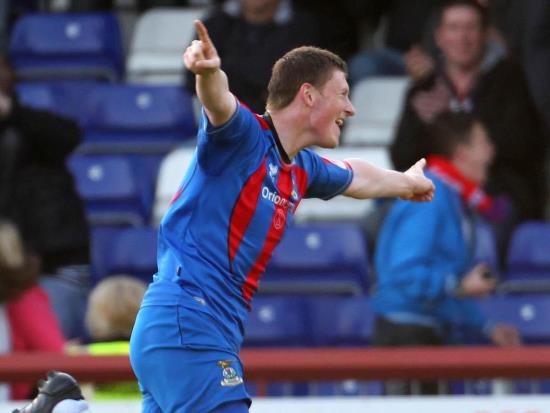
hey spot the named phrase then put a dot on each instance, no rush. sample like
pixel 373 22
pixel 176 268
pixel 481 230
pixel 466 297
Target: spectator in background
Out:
pixel 404 50
pixel 536 56
pixel 468 79
pixel 112 308
pixel 250 35
pixel 424 261
pixel 32 324
pixel 37 193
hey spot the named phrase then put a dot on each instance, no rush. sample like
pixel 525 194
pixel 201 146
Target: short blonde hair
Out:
pixel 112 307
pixel 11 247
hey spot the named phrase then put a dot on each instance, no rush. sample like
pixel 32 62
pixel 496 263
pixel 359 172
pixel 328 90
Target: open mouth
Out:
pixel 340 122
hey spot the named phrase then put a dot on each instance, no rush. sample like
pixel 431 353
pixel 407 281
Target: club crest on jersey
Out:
pixel 273 170
pixel 230 376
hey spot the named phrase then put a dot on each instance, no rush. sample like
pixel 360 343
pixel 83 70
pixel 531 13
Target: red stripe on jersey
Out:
pixel 340 164
pixel 177 195
pixel 263 123
pixel 244 209
pixel 274 235
pixel 301 183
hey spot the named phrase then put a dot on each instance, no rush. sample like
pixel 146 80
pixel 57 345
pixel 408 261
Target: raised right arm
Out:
pixel 212 86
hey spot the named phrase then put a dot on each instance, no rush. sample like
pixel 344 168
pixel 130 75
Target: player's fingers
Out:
pixel 207 64
pixel 204 37
pixel 421 163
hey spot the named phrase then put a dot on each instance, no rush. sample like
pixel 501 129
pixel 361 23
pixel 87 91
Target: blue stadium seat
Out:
pixel 346 388
pixel 60 97
pixel 102 238
pixel 529 313
pixel 137 118
pixel 528 268
pixel 277 321
pixel 318 258
pixel 110 190
pixel 340 321
pixel 67 46
pixel 133 252
pixel 486 247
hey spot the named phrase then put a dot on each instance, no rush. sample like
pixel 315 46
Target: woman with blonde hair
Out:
pixel 32 324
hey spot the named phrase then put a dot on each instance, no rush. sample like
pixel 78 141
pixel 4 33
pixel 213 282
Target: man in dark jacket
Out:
pixel 471 79
pixel 250 35
pixel 37 193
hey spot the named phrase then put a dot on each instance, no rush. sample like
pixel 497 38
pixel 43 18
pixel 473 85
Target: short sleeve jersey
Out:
pixel 231 211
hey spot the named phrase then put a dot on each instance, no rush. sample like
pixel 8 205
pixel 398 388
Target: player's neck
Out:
pixel 291 130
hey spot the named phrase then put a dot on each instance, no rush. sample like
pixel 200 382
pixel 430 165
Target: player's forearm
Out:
pixel 370 181
pixel 213 92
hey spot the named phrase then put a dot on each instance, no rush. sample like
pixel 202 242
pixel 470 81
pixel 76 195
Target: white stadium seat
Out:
pixel 343 208
pixel 159 40
pixel 378 102
pixel 171 173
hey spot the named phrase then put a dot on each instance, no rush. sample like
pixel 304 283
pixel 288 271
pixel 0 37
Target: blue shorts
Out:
pixel 175 378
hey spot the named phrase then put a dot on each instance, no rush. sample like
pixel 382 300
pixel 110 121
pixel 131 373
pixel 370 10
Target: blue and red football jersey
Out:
pixel 234 204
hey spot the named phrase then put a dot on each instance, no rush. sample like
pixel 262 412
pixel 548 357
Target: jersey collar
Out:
pixel 284 156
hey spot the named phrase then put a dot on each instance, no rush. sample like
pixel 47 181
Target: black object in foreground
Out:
pixel 58 387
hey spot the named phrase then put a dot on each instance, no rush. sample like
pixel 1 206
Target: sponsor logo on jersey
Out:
pixel 275 198
pixel 230 376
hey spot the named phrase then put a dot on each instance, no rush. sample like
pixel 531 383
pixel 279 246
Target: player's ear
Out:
pixel 307 94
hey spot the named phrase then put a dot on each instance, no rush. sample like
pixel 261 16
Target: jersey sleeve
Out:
pixel 236 142
pixel 326 178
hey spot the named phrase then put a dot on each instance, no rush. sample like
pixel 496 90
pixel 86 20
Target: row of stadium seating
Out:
pixel 90 46
pixel 116 117
pixel 324 258
pixel 136 188
pixel 350 388
pixel 66 53
pixel 348 321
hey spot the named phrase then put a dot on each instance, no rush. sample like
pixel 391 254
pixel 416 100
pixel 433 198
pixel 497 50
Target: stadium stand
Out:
pixel 60 97
pixel 528 265
pixel 486 246
pixel 159 39
pixel 124 250
pixel 110 189
pixel 346 388
pixel 67 46
pixel 529 313
pixel 378 102
pixel 318 258
pixel 133 118
pixel 340 321
pixel 171 172
pixel 134 252
pixel 278 321
pixel 343 208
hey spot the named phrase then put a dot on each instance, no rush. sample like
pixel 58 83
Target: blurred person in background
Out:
pixel 37 193
pixel 250 36
pixel 469 79
pixel 408 47
pixel 404 50
pixel 424 260
pixel 32 325
pixel 112 308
